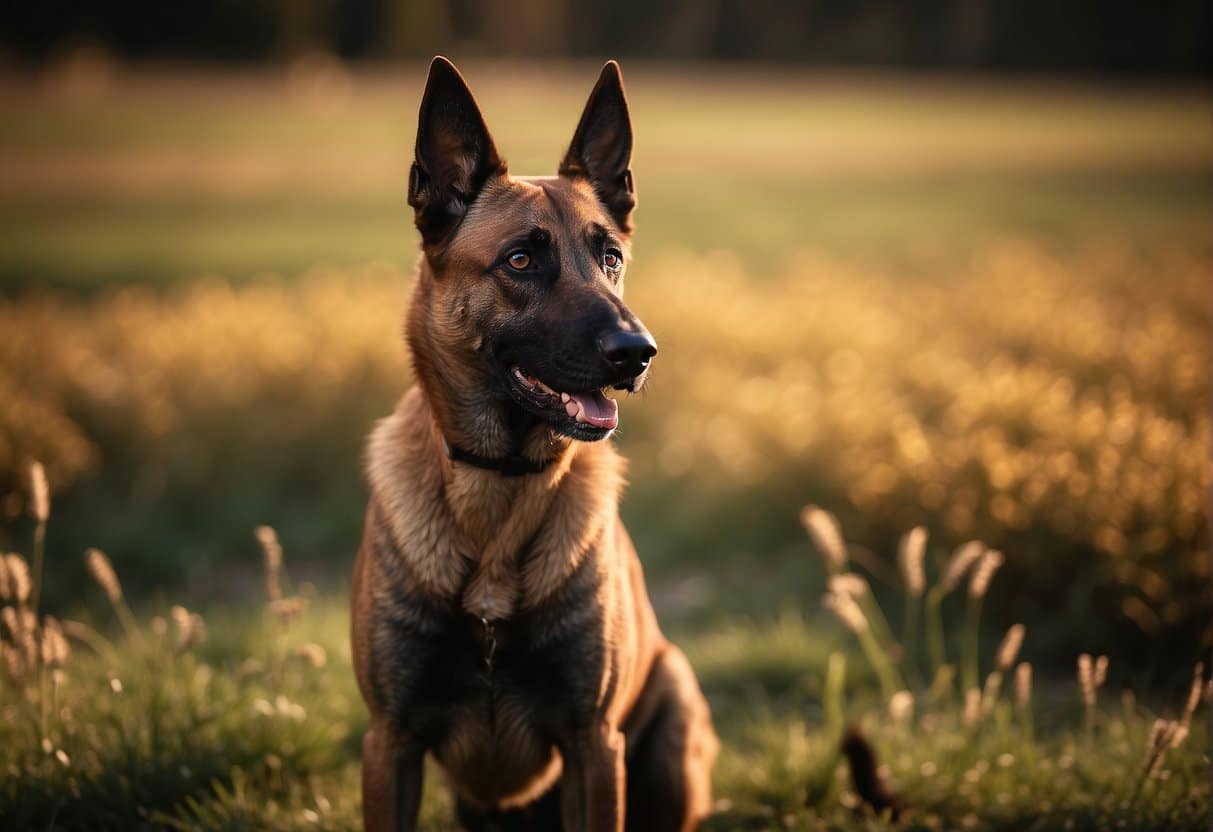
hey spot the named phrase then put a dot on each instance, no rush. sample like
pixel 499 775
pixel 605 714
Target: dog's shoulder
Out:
pixel 397 445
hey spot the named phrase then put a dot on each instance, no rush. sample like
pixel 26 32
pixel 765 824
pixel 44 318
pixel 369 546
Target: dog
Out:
pixel 500 621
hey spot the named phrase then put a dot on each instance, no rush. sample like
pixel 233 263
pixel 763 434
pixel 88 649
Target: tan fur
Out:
pixel 453 521
pixel 447 545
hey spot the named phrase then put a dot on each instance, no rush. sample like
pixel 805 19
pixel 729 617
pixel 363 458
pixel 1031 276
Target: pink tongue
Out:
pixel 598 410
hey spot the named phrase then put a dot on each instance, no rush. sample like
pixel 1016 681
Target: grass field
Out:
pixel 976 305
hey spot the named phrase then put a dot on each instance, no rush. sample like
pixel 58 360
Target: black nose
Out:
pixel 628 353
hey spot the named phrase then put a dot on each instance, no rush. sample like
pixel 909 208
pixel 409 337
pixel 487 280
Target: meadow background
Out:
pixel 976 304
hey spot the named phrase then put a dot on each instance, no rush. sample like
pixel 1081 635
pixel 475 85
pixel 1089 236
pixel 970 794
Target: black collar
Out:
pixel 515 465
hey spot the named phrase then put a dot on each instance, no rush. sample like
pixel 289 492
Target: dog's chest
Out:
pixel 440 667
pixel 499 735
pixel 489 701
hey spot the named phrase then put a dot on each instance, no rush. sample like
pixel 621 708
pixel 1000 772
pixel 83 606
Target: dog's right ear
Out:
pixel 454 157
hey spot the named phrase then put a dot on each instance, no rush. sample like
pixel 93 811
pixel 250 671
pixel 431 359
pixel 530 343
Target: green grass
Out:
pixel 244 731
pixel 96 241
pixel 168 178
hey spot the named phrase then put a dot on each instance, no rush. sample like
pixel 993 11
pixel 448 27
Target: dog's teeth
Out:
pixel 527 379
pixel 572 408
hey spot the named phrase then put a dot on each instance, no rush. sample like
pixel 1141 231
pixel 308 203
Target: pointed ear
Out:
pixel 454 157
pixel 602 146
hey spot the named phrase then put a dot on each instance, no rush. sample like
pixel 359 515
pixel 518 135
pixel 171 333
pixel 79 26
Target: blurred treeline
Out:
pixel 1086 36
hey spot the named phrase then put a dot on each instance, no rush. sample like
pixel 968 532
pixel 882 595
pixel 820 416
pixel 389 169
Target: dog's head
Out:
pixel 523 295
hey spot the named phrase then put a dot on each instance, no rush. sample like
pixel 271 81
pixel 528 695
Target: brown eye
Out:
pixel 519 260
pixel 612 260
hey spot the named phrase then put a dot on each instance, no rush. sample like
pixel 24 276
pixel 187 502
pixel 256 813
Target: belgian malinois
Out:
pixel 500 618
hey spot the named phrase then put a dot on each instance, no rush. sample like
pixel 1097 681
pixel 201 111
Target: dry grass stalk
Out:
pixel 191 629
pixel 979 584
pixel 1086 680
pixel 1092 673
pixel 850 584
pixel 822 527
pixel 197 628
pixel 39 492
pixel 287 610
pixel 40 506
pixel 182 621
pixel 11 622
pixel 964 557
pixel 18 577
pixel 910 555
pixel 901 706
pixel 1008 651
pixel 55 649
pixel 847 610
pixel 22 627
pixel 1194 692
pixel 102 571
pixel 1164 735
pixel 958 565
pixel 85 635
pixel 1183 725
pixel 941 685
pixel 972 708
pixel 990 693
pixel 856 587
pixel 911 551
pixel 1023 684
pixel 852 615
pixel 249 668
pixel 1179 734
pixel 313 654
pixel 1156 733
pixel 14 664
pixel 271 550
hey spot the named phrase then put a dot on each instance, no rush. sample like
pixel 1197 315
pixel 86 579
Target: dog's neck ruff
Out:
pixel 490 551
pixel 514 465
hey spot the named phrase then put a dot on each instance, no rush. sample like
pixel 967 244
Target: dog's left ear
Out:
pixel 602 147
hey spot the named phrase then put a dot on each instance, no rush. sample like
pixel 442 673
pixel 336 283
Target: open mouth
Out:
pixel 581 415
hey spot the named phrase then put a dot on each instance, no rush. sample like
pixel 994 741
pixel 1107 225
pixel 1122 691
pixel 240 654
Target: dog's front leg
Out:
pixel 592 789
pixel 391 780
